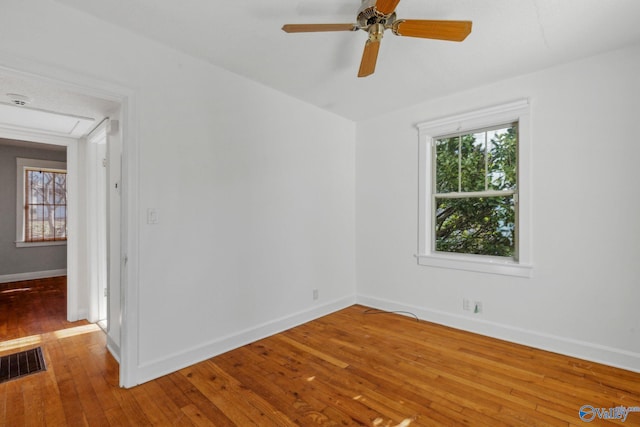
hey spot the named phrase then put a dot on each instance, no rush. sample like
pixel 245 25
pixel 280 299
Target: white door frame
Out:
pixel 80 83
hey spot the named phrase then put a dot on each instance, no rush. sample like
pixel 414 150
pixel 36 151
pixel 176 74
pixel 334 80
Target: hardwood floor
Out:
pixel 345 369
pixel 33 307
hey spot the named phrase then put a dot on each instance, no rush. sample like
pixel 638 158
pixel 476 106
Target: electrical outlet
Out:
pixel 477 307
pixel 316 294
pixel 466 304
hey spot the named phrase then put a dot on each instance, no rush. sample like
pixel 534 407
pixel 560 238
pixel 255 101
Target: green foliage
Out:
pixel 502 160
pixel 480 161
pixel 483 226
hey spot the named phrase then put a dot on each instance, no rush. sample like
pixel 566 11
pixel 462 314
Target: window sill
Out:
pixel 477 264
pixel 36 244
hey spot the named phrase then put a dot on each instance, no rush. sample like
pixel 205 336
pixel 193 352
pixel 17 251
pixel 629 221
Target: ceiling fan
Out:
pixel 377 16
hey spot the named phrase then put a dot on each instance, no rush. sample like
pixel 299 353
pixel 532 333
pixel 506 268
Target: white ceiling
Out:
pixel 44 121
pixel 53 109
pixel 509 38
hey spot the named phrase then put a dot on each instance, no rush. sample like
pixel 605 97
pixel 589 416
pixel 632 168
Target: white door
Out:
pixel 114 258
pixel 97 225
pixel 103 225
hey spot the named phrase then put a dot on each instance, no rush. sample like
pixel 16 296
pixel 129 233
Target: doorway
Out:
pixel 65 111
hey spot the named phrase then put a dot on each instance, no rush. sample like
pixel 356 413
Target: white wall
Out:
pixel 254 190
pixel 584 295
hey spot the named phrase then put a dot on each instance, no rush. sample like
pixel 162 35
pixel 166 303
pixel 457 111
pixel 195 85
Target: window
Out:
pixel 41 202
pixel 474 207
pixel 474 191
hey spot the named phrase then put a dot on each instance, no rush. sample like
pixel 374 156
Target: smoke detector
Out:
pixel 17 99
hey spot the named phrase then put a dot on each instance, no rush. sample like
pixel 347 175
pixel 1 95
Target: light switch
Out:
pixel 152 216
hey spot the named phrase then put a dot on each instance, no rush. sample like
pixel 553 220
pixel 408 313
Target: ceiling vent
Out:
pixel 17 99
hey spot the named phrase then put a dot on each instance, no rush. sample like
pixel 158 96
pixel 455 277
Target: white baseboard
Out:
pixel 166 365
pixel 615 357
pixel 19 277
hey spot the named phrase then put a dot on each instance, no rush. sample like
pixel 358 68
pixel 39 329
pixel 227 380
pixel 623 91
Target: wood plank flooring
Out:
pixel 33 307
pixel 345 369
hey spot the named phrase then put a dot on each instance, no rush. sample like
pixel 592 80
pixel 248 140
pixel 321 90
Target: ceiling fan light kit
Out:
pixel 377 16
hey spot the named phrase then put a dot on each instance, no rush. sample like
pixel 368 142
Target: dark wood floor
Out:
pixel 345 369
pixel 33 307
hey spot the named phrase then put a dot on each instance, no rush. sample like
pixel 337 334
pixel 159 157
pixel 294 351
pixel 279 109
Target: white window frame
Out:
pixel 21 165
pixel 478 119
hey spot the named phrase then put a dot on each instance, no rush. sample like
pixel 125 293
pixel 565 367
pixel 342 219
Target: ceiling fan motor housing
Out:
pixel 368 15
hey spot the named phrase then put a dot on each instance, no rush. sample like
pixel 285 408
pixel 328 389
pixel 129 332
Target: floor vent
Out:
pixel 20 364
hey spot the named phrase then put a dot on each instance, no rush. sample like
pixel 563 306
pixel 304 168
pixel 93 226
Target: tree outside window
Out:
pixel 475 192
pixel 45 209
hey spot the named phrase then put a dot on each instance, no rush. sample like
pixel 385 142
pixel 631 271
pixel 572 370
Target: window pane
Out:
pixel 61 222
pixel 36 222
pixel 447 165
pixel 48 223
pixel 60 189
pixel 482 226
pixel 35 177
pixel 472 162
pixel 48 187
pixel 36 194
pixel 61 213
pixel 502 161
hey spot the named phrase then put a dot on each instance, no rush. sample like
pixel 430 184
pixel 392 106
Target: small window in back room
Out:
pixel 45 205
pixel 41 203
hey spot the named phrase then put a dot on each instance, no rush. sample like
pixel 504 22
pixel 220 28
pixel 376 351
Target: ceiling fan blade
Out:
pixel 386 7
pixel 312 28
pixel 369 58
pixel 442 30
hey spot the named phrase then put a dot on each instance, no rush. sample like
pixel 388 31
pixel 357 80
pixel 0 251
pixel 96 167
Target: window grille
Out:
pixel 45 210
